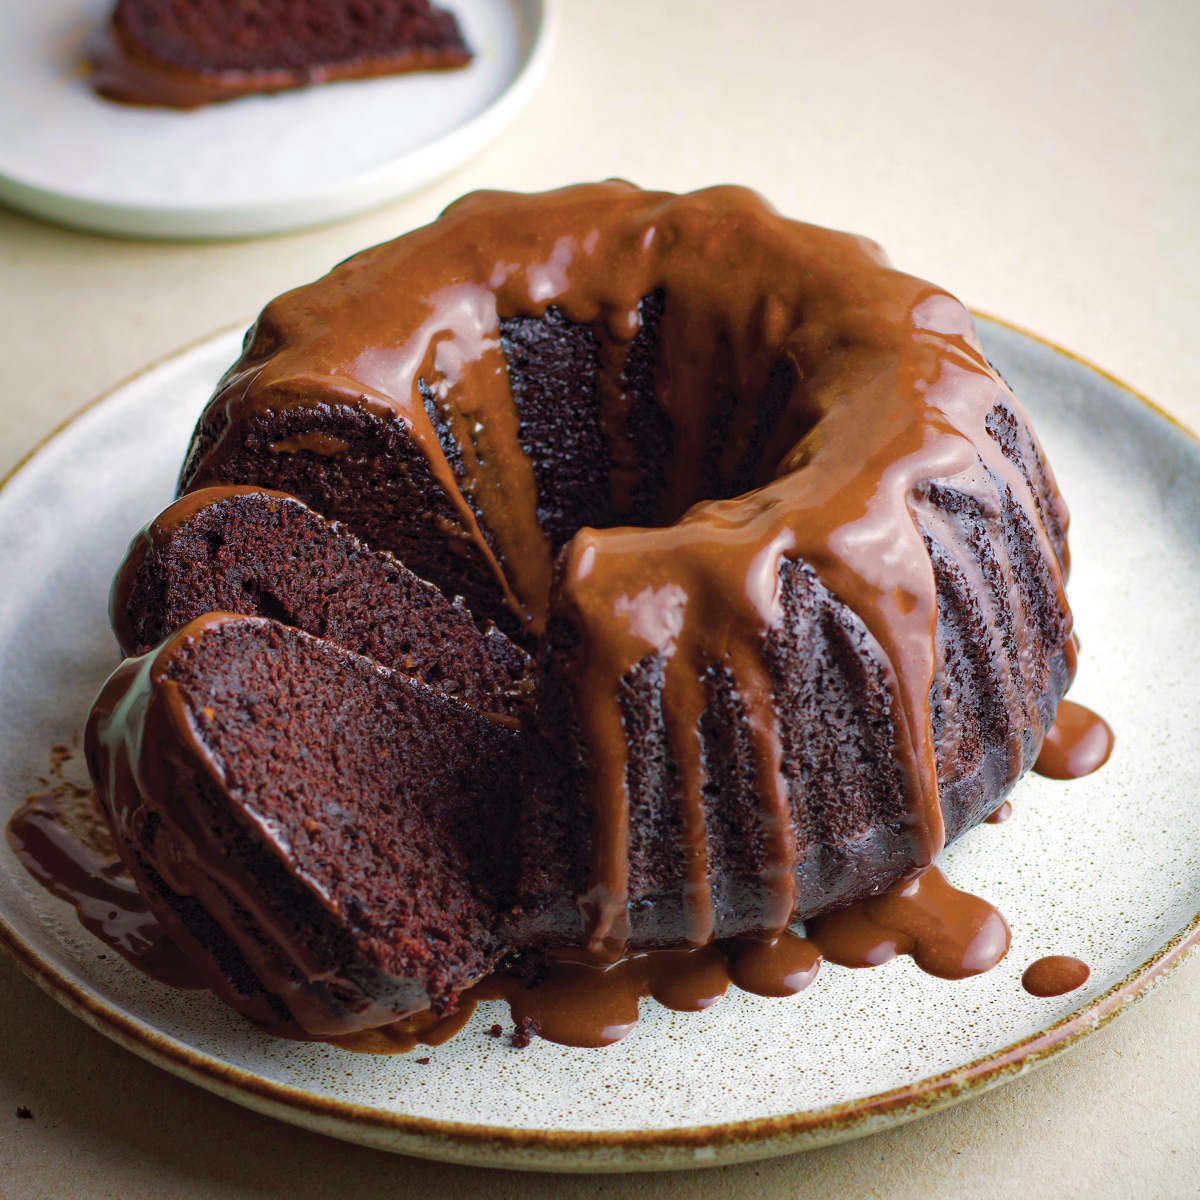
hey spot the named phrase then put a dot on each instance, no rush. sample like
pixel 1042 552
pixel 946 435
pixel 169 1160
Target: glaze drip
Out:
pixel 948 933
pixel 1000 815
pixel 1078 743
pixel 779 966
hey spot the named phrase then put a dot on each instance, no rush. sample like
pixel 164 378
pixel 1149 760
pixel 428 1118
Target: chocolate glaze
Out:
pixel 889 398
pixel 778 966
pixel 315 442
pixel 1071 652
pixel 1055 975
pixel 949 933
pixel 128 67
pixel 63 840
pixel 399 1037
pixel 1078 743
pixel 424 1029
pixel 579 1002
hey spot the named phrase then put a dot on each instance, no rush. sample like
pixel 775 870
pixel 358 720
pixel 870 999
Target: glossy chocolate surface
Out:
pixel 63 840
pixel 1055 975
pixel 1078 743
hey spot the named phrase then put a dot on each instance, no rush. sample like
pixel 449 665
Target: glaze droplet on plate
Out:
pixel 1079 742
pixel 1055 975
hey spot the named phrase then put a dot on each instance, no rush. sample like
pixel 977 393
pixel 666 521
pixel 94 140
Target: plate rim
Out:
pixel 371 188
pixel 709 1144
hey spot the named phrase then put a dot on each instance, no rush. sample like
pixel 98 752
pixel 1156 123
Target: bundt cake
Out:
pixel 781 541
pixel 328 839
pixel 185 53
pixel 264 553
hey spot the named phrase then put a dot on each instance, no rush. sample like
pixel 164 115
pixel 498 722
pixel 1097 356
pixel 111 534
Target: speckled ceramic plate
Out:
pixel 262 164
pixel 1105 868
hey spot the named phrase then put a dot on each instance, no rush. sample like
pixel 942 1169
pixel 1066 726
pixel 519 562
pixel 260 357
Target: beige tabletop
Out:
pixel 1040 158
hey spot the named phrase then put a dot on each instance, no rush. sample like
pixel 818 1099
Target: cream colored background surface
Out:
pixel 1040 159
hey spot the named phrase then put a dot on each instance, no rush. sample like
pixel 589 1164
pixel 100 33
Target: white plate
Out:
pixel 262 164
pixel 1106 868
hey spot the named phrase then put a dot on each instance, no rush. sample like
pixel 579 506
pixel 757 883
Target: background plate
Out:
pixel 1106 868
pixel 259 165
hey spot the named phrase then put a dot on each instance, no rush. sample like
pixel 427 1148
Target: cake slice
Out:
pixel 264 553
pixel 329 840
pixel 187 53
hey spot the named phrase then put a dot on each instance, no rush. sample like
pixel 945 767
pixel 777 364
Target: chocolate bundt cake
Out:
pixel 185 53
pixel 264 553
pixel 785 549
pixel 328 839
